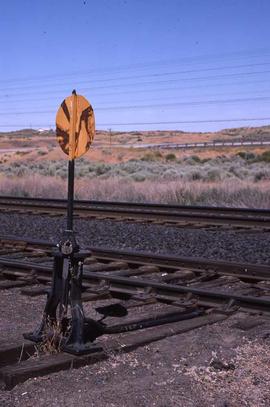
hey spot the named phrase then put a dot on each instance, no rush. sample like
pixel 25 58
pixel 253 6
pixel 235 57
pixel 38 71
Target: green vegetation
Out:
pixel 251 157
pixel 152 156
pixel 246 155
pixel 170 157
pixel 42 152
pixel 265 156
pixel 153 166
pixel 195 158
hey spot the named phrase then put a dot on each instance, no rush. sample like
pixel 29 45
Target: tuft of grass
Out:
pixel 52 339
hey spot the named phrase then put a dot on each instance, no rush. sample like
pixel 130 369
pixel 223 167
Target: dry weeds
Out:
pixel 223 193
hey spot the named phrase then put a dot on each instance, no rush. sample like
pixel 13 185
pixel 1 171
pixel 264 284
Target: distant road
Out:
pixel 201 145
pixel 18 149
pixel 190 145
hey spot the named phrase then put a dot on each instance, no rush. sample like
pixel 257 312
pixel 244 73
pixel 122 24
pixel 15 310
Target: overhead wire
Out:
pixel 236 119
pixel 160 105
pixel 8 98
pixel 142 84
pixel 261 52
pixel 160 74
pixel 238 93
pixel 135 88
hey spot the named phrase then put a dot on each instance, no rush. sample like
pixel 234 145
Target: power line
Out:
pixel 28 126
pixel 238 93
pixel 129 92
pixel 193 103
pixel 147 83
pixel 243 119
pixel 144 76
pixel 183 60
pixel 188 121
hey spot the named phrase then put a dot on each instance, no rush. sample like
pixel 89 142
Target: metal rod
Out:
pixel 71 168
pixel 73 122
pixel 71 163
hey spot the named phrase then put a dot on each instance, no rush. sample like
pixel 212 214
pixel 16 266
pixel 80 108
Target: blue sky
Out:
pixel 182 62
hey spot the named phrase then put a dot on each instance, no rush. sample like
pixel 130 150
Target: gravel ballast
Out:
pixel 231 245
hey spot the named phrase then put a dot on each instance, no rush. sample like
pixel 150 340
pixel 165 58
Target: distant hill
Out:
pixel 27 133
pixel 239 133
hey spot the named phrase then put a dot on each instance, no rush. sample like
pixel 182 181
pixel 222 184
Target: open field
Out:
pixel 225 193
pixel 116 147
pixel 32 164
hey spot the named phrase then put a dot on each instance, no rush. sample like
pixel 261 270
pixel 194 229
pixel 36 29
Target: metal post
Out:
pixel 68 265
pixel 70 194
pixel 71 163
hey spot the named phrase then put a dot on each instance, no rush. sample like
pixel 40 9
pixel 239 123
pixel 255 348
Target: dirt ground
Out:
pixel 221 365
pixel 31 146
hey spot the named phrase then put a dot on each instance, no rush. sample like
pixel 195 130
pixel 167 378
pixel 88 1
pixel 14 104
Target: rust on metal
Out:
pixel 75 126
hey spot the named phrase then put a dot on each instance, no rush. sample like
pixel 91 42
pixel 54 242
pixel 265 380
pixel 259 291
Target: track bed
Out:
pixel 229 359
pixel 176 361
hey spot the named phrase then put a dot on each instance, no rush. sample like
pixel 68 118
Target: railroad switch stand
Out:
pixel 66 291
pixel 75 129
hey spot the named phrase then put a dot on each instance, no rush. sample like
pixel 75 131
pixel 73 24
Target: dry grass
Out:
pixel 223 193
pixel 247 384
pixel 52 339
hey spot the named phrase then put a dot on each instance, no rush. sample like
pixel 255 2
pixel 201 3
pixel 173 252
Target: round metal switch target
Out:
pixel 84 125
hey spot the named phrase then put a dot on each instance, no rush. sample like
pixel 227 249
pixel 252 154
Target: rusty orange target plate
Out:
pixel 75 125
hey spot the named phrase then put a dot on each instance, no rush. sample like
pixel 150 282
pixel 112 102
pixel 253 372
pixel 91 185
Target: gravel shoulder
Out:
pixel 242 246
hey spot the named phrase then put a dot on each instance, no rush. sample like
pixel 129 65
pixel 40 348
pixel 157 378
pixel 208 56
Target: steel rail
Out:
pixel 183 294
pixel 225 209
pixel 163 288
pixel 243 270
pixel 202 296
pixel 163 262
pixel 160 212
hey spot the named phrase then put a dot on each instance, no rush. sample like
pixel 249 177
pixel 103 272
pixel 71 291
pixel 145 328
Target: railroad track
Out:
pixel 166 295
pixel 155 213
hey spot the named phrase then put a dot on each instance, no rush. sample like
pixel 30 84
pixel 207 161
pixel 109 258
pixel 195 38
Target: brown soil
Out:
pixel 225 364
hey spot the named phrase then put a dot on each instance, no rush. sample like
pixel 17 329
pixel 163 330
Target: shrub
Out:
pixel 139 178
pixel 265 156
pixel 152 156
pixel 42 152
pixel 170 157
pixel 195 158
pixel 205 160
pixel 261 175
pixel 189 161
pixel 213 175
pixel 195 176
pixel 101 169
pixel 246 155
